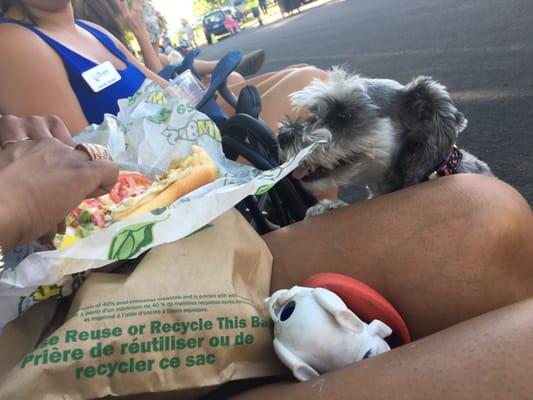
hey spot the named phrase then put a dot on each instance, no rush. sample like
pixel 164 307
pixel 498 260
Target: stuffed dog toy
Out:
pixel 315 332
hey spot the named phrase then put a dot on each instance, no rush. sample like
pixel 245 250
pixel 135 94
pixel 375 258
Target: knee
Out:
pixel 488 194
pixel 503 215
pixel 308 74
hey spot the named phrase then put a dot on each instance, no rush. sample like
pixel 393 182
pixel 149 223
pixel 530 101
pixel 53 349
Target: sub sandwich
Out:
pixel 135 194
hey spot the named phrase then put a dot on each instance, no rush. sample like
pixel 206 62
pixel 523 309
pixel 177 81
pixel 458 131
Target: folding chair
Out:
pixel 245 135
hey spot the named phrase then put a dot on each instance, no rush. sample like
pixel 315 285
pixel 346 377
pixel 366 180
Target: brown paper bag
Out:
pixel 190 316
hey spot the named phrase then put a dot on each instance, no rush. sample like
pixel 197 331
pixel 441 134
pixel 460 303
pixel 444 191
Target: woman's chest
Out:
pixel 86 46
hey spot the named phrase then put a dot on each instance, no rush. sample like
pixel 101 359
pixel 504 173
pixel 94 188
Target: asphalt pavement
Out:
pixel 482 50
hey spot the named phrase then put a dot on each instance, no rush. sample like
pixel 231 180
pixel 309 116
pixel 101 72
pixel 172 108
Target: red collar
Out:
pixel 449 166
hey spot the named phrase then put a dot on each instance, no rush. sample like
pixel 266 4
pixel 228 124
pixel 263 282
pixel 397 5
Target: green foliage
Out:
pixel 201 7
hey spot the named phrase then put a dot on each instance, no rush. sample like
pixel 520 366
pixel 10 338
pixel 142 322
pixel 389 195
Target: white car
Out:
pixel 240 5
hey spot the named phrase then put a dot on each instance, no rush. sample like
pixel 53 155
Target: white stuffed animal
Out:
pixel 315 332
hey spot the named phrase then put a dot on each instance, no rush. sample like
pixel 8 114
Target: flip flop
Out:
pixel 251 63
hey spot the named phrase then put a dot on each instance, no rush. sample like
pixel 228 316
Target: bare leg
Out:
pixel 205 67
pixel 275 90
pixel 489 357
pixel 441 252
pixel 233 79
pixel 260 81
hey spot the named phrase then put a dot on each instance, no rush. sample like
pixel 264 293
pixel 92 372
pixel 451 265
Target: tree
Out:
pixel 201 7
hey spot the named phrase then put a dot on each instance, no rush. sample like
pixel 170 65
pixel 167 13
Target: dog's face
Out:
pixel 359 139
pixel 365 122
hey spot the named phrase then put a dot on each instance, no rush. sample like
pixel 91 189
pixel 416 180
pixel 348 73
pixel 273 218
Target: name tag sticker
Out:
pixel 102 76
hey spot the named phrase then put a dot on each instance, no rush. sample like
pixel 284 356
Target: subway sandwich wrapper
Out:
pixel 152 128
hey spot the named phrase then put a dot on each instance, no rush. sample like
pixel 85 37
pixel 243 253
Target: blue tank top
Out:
pixel 94 105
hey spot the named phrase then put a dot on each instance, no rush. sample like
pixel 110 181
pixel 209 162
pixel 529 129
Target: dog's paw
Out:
pixel 324 206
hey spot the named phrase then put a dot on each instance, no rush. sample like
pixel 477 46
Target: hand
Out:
pixel 41 181
pixel 13 128
pixel 133 15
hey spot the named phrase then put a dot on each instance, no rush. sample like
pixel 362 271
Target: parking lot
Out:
pixel 480 49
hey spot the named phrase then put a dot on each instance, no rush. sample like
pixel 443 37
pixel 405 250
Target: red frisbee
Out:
pixel 363 301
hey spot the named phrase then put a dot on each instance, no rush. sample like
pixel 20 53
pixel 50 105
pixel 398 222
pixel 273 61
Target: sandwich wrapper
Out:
pixel 198 300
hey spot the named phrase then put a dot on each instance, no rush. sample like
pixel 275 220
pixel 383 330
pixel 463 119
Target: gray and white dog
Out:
pixel 379 133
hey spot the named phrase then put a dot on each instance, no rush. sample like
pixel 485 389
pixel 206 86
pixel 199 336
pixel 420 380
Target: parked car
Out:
pixel 214 25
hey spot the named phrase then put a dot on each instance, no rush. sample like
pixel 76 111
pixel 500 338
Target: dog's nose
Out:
pixel 285 138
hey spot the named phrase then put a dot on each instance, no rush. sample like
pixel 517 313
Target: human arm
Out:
pixel 33 79
pixel 42 181
pixel 134 18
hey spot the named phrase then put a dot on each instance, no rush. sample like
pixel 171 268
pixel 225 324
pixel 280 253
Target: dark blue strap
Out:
pixel 169 72
pixel 223 69
pixel 188 62
pixel 173 70
pixel 208 104
pixel 219 77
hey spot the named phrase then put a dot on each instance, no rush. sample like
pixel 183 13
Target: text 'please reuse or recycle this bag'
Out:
pixel 190 316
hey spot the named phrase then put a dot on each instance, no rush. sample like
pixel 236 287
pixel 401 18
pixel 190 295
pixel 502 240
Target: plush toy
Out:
pixel 315 332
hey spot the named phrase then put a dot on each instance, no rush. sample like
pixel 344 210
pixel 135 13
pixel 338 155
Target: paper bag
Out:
pixel 190 316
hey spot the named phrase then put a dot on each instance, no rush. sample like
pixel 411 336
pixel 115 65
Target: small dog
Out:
pixel 378 132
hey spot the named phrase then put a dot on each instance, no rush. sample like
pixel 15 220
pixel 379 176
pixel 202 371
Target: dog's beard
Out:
pixel 362 156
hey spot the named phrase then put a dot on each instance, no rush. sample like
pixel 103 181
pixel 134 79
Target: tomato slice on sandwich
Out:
pixel 128 184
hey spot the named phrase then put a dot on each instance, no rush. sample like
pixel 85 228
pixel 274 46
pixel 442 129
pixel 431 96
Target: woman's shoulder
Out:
pixel 17 39
pixel 11 33
pixel 20 48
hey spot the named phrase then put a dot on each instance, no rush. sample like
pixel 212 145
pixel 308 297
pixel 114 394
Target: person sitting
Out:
pixel 453 255
pixel 67 48
pixel 118 17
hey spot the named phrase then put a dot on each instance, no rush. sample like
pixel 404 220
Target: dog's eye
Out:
pixel 339 114
pixel 287 311
pixel 343 116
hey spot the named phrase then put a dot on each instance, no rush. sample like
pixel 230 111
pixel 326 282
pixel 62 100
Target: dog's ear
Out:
pixel 428 109
pixel 333 304
pixel 461 120
pixel 419 100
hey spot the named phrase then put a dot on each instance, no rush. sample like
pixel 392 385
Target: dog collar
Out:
pixel 449 166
